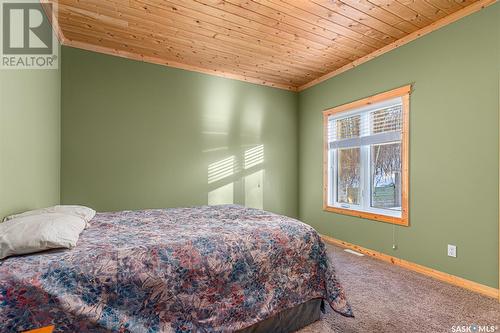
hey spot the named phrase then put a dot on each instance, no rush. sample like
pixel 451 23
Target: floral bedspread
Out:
pixel 202 269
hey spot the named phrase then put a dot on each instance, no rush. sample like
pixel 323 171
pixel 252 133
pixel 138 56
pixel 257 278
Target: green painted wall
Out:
pixel 29 139
pixel 453 148
pixel 137 135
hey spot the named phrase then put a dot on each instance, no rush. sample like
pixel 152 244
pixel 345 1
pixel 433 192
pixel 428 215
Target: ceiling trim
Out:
pixel 476 6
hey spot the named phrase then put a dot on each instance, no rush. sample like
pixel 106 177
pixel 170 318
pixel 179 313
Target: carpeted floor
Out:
pixel 388 298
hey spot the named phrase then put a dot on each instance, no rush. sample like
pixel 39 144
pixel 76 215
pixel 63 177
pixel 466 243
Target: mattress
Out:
pixel 201 269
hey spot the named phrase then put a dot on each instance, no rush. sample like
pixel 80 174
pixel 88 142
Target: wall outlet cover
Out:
pixel 452 251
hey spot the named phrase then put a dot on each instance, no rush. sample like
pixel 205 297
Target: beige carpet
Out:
pixel 387 298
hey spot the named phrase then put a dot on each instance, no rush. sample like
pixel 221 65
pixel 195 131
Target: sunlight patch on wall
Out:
pixel 238 178
pixel 211 150
pixel 214 133
pixel 221 169
pixel 252 118
pixel 218 107
pixel 254 194
pixel 254 156
pixel 222 195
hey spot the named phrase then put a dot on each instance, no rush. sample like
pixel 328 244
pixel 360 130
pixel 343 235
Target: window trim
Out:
pixel 403 92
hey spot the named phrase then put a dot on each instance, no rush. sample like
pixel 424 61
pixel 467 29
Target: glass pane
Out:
pixel 387 120
pixel 348 127
pixel 348 176
pixel 386 176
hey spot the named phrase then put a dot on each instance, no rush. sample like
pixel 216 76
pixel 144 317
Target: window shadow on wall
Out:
pixel 238 179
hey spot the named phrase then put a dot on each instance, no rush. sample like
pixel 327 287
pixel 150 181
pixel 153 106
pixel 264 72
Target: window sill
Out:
pixel 370 216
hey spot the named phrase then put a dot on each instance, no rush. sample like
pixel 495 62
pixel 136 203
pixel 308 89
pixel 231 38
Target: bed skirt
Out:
pixel 289 320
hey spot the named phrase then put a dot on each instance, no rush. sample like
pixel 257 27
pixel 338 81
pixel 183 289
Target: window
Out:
pixel 366 157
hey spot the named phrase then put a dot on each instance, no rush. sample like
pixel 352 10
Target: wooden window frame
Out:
pixel 404 93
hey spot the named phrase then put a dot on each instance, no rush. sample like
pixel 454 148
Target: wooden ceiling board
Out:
pixel 287 44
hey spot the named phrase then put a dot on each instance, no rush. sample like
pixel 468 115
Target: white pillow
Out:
pixel 33 233
pixel 83 212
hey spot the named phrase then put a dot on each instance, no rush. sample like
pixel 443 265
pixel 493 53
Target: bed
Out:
pixel 202 269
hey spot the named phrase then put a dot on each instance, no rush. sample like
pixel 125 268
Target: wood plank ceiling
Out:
pixel 282 43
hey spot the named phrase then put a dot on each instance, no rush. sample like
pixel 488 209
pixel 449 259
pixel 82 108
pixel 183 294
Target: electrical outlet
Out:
pixel 452 251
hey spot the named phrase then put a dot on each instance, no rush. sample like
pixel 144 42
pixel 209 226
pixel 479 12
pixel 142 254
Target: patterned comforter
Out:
pixel 203 269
